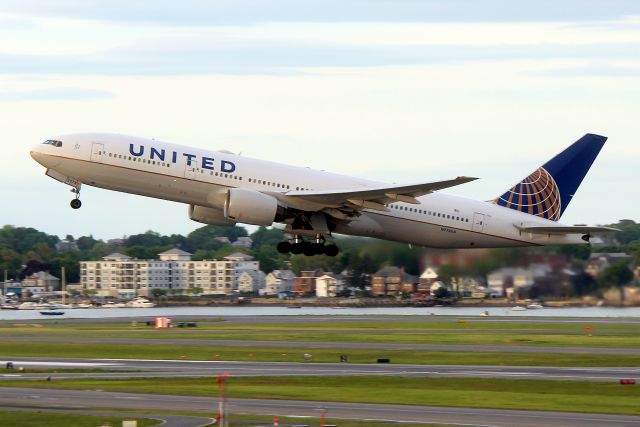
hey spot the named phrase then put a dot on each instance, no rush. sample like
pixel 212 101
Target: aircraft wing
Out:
pixel 563 229
pixel 373 197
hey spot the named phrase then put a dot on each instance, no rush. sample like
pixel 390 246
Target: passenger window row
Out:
pixel 269 183
pixel 137 159
pixel 428 213
pixel 202 171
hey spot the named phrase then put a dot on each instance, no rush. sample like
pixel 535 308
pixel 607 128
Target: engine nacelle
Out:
pixel 209 216
pixel 251 207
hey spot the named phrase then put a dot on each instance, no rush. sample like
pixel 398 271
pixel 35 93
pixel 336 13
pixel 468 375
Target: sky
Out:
pixel 400 91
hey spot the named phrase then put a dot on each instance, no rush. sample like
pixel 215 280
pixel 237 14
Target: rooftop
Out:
pixel 175 251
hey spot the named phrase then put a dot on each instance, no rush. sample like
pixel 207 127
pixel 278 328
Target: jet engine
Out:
pixel 252 207
pixel 211 216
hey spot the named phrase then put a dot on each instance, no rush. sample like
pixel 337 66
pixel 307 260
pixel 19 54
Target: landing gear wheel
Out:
pixel 284 247
pixel 331 250
pixel 76 204
pixel 308 249
pixel 296 248
pixel 318 248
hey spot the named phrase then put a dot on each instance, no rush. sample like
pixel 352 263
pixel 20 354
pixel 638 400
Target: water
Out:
pixel 248 310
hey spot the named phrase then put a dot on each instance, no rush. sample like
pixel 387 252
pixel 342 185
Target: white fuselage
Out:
pixel 202 177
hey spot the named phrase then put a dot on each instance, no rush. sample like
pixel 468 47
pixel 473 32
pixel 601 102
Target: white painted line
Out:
pixel 45 363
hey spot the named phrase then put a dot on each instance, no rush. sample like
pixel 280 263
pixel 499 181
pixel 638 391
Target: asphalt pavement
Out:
pixel 166 420
pixel 138 368
pixel 85 399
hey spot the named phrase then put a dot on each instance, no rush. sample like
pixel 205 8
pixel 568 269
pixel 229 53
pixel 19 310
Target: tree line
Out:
pixel 26 250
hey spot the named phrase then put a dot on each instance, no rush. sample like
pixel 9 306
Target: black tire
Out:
pixel 284 247
pixel 76 204
pixel 318 248
pixel 296 248
pixel 308 249
pixel 331 250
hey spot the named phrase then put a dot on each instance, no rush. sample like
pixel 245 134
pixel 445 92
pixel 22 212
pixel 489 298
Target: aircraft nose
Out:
pixel 38 154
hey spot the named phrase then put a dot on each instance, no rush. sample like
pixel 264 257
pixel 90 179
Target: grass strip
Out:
pixel 428 325
pixel 468 338
pixel 275 354
pixel 574 396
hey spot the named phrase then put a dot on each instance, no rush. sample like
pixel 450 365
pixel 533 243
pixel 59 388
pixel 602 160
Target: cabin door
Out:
pixel 478 222
pixel 97 150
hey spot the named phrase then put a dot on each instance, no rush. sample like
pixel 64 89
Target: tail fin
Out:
pixel 548 191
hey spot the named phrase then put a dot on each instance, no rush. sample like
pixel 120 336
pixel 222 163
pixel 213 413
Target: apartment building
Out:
pixel 119 275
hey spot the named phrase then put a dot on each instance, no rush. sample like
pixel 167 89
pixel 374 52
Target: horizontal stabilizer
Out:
pixel 575 229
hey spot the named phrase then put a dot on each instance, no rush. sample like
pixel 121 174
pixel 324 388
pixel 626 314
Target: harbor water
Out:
pixel 248 310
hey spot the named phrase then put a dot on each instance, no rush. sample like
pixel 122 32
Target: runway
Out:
pixel 84 399
pixel 184 368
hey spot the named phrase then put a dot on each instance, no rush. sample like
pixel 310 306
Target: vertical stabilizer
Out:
pixel 548 190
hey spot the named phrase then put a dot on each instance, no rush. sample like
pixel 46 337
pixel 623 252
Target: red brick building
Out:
pixel 305 284
pixel 392 281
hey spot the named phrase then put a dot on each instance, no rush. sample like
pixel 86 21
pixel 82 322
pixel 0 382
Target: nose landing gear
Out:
pixel 76 203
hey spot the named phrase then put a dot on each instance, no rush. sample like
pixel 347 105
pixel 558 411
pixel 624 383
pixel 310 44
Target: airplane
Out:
pixel 222 188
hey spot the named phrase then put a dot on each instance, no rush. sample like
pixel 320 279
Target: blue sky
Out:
pixel 394 90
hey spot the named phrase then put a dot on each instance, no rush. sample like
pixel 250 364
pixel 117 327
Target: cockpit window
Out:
pixel 53 142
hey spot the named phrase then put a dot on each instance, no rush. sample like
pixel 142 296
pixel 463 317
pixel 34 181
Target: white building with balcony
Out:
pixel 119 275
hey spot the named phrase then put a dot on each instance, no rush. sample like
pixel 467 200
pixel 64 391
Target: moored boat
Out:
pixel 140 303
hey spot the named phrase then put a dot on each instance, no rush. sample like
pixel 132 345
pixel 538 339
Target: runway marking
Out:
pixel 378 420
pixel 395 408
pixel 46 363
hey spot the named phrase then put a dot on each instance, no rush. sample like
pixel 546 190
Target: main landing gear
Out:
pixel 300 246
pixel 76 203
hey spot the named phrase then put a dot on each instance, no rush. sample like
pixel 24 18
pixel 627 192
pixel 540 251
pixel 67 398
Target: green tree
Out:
pixel 22 239
pixel 145 252
pixel 86 243
pixel 269 258
pixel 264 236
pixel 202 254
pixel 147 239
pixel 158 293
pixel 448 272
pixel 204 237
pixel 10 261
pixel 70 260
pixel 360 270
pixel 617 274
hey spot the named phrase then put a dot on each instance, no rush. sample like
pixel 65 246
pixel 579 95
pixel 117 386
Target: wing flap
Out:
pixel 376 195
